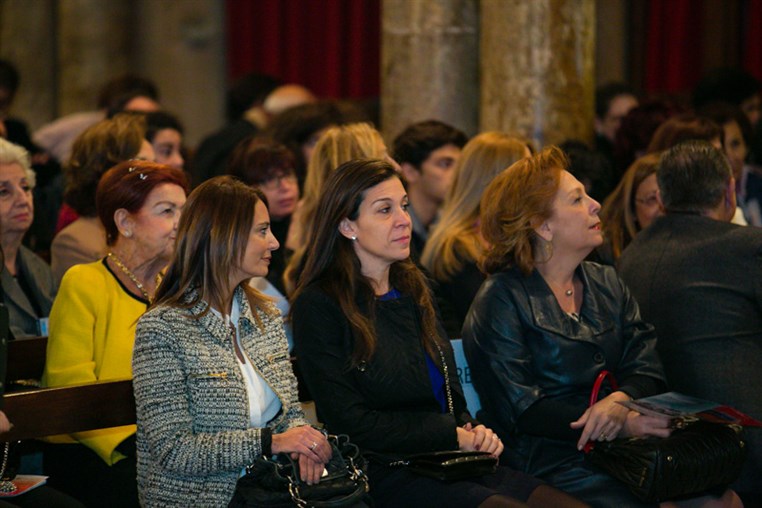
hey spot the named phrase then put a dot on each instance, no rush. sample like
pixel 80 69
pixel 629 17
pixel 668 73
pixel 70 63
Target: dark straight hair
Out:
pixel 333 264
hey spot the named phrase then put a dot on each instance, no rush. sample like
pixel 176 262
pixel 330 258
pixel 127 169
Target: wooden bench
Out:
pixel 40 412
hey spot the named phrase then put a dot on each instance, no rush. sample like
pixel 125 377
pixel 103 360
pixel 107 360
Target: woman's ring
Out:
pixel 314 445
pixel 602 437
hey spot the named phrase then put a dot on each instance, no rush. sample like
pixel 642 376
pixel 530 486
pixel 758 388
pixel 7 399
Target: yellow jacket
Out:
pixel 92 333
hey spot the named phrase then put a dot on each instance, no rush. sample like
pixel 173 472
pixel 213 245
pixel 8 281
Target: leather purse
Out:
pixel 451 465
pixel 699 457
pixel 275 482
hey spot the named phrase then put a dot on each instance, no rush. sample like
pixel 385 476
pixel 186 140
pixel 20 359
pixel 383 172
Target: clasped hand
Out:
pixel 307 445
pixel 480 439
pixel 607 419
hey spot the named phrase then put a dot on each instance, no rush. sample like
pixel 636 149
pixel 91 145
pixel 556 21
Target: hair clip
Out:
pixel 142 176
pixel 131 169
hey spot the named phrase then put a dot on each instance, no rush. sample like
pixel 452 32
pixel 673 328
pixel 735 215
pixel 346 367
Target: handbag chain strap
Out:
pixel 6 486
pixel 446 373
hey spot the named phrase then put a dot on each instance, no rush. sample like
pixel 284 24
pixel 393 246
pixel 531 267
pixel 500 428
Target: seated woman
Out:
pixel 81 237
pixel 633 206
pixel 545 323
pixel 92 324
pixel 374 353
pixel 213 383
pixel 267 164
pixel 455 246
pixel 28 284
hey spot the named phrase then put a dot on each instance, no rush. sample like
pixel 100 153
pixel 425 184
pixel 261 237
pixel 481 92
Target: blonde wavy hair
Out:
pixel 455 240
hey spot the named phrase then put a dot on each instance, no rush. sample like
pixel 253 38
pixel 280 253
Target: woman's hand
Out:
pixel 602 421
pixel 639 425
pixel 5 425
pixel 305 441
pixel 479 438
pixel 309 470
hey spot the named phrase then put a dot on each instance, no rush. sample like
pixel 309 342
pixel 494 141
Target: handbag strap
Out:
pixel 446 373
pixel 604 374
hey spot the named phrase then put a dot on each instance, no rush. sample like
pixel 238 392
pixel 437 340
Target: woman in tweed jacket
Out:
pixel 213 384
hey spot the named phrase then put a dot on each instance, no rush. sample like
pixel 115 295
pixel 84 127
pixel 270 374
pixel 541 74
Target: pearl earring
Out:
pixel 128 234
pixel 354 238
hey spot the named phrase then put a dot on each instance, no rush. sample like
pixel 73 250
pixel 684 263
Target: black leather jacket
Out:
pixel 386 405
pixel 527 354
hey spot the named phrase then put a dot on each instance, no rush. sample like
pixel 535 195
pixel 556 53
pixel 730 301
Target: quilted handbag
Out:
pixel 696 458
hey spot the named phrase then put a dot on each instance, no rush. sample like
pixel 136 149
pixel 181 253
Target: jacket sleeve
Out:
pixel 71 342
pixel 640 372
pixel 323 344
pixel 163 411
pixel 500 361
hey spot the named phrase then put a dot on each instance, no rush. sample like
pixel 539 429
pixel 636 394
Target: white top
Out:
pixel 263 403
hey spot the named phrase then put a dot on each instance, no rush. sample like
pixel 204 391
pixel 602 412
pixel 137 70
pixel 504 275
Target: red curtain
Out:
pixel 673 45
pixel 752 57
pixel 330 46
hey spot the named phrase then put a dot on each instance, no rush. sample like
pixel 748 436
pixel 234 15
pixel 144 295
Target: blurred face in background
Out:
pixel 281 189
pixel 735 147
pixel 648 205
pixel 618 109
pixel 167 145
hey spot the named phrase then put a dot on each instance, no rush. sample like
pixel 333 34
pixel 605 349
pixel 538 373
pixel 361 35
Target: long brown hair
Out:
pixel 333 264
pixel 211 241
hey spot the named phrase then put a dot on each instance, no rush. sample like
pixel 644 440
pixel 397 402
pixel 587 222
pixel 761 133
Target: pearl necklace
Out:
pixel 133 278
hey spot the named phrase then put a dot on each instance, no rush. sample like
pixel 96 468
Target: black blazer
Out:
pixel 699 281
pixel 387 404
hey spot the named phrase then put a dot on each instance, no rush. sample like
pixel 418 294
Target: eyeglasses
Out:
pixel 274 182
pixel 650 201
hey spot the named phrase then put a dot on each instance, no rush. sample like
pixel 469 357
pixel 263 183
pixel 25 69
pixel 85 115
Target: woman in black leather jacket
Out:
pixel 545 324
pixel 373 352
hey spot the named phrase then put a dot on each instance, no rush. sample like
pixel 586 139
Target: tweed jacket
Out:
pixel 193 436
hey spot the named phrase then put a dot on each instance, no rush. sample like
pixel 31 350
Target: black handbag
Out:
pixel 699 457
pixel 275 482
pixel 449 466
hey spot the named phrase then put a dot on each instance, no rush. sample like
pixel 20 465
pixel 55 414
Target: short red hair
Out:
pixel 127 185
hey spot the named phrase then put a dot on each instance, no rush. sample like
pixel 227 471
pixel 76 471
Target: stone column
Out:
pixel 27 39
pixel 95 40
pixel 429 63
pixel 537 68
pixel 182 49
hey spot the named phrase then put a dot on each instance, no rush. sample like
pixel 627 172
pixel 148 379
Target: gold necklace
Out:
pixel 133 278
